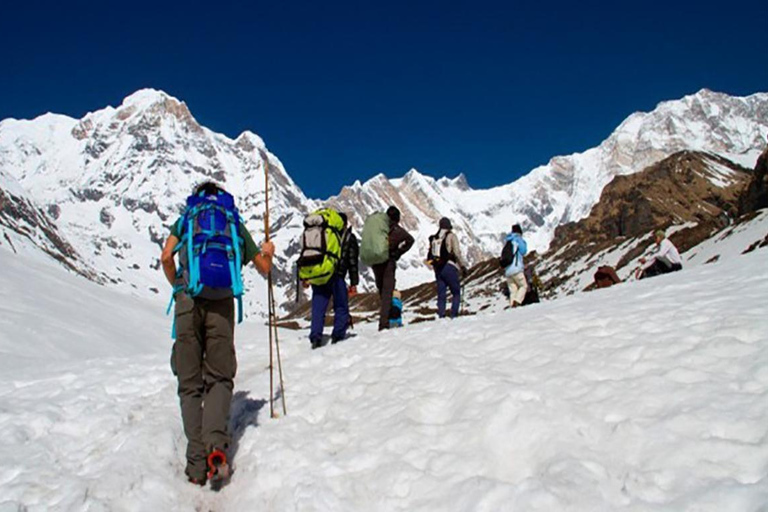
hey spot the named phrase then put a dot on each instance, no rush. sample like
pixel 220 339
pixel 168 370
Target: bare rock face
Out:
pixel 755 196
pixel 689 188
pixel 22 220
pixel 685 187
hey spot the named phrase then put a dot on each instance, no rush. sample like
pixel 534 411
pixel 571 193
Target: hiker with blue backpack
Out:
pixel 514 268
pixel 329 251
pixel 212 245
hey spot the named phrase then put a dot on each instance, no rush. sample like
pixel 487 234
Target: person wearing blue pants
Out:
pixel 448 279
pixel 445 258
pixel 335 288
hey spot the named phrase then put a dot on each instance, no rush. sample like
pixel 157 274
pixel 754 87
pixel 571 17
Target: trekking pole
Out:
pixel 277 349
pixel 271 305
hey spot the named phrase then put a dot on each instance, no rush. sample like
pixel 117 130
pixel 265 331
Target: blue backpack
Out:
pixel 210 250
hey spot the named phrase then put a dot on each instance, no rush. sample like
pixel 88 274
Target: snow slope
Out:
pixel 647 396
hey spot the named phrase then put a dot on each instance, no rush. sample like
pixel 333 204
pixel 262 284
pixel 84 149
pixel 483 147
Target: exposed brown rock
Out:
pixel 755 196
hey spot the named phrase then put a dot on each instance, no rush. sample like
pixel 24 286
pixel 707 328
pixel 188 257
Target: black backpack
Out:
pixel 508 254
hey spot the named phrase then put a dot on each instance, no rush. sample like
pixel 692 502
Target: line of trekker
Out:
pixel 212 245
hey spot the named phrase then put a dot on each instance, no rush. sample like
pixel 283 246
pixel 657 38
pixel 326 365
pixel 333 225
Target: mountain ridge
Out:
pixel 114 180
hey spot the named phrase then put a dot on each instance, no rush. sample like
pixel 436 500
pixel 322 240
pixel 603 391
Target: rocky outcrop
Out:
pixel 755 196
pixel 21 218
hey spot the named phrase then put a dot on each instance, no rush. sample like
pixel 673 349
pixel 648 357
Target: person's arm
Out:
pixel 453 248
pixel 664 247
pixel 263 260
pixel 522 246
pixel 354 254
pixel 261 257
pixel 166 258
pixel 403 241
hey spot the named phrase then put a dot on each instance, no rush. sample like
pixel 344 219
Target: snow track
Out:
pixel 647 396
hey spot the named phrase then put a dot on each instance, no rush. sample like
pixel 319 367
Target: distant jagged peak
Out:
pixel 249 141
pixel 147 97
pixel 460 182
pixel 710 95
pixel 414 179
pixel 377 180
pixel 691 104
pixel 153 102
pixel 413 174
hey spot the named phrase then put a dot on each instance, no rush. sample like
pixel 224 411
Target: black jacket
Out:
pixel 350 251
pixel 400 241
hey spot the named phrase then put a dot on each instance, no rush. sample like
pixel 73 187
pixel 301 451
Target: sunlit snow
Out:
pixel 646 396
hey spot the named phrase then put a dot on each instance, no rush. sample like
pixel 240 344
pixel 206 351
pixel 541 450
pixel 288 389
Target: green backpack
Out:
pixel 320 246
pixel 374 246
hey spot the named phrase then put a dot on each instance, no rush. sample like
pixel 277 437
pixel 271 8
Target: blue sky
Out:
pixel 345 90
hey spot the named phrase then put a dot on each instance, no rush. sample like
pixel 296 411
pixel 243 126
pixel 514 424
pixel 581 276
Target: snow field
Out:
pixel 646 396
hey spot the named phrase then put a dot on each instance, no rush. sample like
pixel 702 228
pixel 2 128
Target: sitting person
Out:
pixel 396 310
pixel 666 259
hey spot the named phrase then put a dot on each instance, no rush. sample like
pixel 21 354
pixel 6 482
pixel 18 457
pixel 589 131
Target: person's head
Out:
pixel 344 218
pixel 396 294
pixel 660 235
pixel 517 229
pixel 208 188
pixel 394 214
pixel 445 223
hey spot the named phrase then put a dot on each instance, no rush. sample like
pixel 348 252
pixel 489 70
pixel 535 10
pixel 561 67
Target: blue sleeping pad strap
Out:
pixel 234 268
pixel 195 286
pixel 170 307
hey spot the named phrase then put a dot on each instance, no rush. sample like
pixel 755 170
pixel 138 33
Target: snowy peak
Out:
pixel 249 141
pixel 146 98
pixel 115 180
pixel 459 182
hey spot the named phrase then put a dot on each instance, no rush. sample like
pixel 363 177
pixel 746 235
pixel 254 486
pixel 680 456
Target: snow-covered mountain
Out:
pixel 110 184
pixel 565 189
pixel 115 180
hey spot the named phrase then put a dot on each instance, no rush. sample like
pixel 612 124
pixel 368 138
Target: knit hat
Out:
pixel 445 223
pixel 394 214
pixel 659 233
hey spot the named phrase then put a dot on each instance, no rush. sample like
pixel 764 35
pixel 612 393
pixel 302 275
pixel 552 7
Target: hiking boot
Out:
pixel 218 468
pixel 197 481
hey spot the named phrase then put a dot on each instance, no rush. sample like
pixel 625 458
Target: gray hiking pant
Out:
pixel 385 283
pixel 203 359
